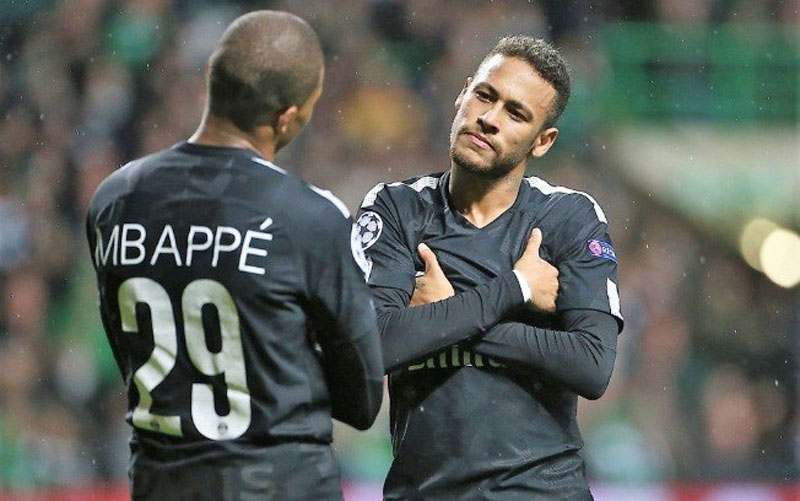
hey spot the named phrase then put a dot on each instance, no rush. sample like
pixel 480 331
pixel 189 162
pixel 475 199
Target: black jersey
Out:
pixel 234 303
pixel 466 424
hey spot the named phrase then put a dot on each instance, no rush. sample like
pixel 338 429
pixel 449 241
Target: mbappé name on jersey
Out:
pixel 212 263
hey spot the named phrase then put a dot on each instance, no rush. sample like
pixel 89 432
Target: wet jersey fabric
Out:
pixel 468 423
pixel 234 303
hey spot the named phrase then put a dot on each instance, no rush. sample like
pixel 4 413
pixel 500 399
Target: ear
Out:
pixel 463 92
pixel 284 119
pixel 544 141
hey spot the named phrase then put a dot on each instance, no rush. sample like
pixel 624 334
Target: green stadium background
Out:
pixel 683 125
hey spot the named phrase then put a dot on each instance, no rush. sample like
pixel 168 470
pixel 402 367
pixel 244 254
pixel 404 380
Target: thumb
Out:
pixel 428 257
pixel 534 242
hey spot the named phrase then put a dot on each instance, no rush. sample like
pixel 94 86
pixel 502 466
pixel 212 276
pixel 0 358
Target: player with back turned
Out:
pixel 231 292
pixel 496 296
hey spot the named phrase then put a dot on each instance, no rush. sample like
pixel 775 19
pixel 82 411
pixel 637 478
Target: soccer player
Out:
pixel 496 295
pixel 231 291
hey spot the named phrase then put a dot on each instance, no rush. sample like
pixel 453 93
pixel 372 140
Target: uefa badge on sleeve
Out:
pixel 602 249
pixel 370 226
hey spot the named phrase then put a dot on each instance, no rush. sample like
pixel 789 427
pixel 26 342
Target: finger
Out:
pixel 534 241
pixel 429 258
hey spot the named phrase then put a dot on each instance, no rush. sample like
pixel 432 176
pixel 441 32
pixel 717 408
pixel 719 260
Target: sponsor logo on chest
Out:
pixel 456 356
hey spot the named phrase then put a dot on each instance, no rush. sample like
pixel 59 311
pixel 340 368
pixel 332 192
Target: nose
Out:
pixel 489 119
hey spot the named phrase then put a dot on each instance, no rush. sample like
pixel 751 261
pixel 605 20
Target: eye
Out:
pixel 517 116
pixel 483 96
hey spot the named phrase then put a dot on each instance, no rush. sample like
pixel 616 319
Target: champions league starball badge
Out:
pixel 370 226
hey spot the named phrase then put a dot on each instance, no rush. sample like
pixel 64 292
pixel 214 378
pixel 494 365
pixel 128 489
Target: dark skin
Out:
pixel 500 121
pixel 265 139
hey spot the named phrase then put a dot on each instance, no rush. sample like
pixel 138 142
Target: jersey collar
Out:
pixel 195 148
pixel 444 183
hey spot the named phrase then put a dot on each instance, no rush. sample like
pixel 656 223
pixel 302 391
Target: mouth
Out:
pixel 480 140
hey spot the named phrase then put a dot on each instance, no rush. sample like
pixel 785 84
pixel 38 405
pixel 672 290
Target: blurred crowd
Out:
pixel 706 381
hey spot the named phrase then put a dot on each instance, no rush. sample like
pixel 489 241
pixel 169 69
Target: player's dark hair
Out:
pixel 546 60
pixel 265 62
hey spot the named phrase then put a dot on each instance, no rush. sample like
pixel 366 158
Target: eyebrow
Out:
pixel 511 103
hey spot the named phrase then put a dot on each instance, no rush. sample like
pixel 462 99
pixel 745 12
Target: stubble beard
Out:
pixel 498 168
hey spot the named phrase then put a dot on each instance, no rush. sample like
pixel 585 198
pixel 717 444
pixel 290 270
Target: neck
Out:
pixel 217 131
pixel 483 199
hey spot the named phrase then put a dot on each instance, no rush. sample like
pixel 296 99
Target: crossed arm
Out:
pixel 581 356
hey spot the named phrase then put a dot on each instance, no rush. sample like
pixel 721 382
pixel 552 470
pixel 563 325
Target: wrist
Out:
pixel 523 286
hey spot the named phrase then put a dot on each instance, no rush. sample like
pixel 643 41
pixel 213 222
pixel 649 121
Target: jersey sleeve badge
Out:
pixel 370 226
pixel 356 247
pixel 602 249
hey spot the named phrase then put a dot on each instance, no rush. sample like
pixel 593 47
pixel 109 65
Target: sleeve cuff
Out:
pixel 523 286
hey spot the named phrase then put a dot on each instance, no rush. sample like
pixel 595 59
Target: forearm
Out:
pixel 355 381
pixel 581 357
pixel 408 334
pixel 344 319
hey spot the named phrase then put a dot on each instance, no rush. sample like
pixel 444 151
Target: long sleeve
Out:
pixel 342 315
pixel 355 391
pixel 408 334
pixel 581 356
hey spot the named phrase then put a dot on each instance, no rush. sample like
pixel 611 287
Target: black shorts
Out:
pixel 291 471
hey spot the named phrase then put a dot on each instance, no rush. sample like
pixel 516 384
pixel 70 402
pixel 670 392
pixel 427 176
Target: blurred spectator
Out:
pixel 730 425
pixel 705 386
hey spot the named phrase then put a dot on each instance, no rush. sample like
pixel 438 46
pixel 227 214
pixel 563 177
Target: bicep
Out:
pixel 588 273
pixel 389 257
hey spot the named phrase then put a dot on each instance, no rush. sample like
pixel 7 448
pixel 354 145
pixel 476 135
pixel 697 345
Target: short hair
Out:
pixel 546 60
pixel 265 62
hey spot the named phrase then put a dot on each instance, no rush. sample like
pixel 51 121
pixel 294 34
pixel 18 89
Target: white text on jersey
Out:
pixel 126 246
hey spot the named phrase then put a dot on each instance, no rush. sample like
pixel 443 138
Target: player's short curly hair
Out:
pixel 546 60
pixel 265 62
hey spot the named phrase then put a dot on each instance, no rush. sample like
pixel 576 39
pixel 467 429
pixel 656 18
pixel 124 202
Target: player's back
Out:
pixel 203 256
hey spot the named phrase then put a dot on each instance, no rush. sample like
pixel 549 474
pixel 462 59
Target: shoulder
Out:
pixel 565 203
pixel 318 217
pixel 314 220
pixel 332 200
pixel 316 202
pixel 302 198
pixel 122 180
pixel 401 196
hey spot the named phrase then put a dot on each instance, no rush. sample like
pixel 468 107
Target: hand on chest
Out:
pixel 471 256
